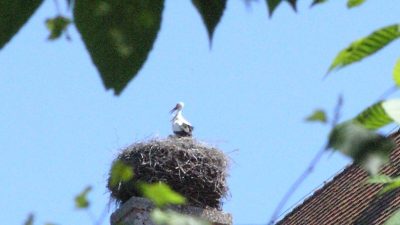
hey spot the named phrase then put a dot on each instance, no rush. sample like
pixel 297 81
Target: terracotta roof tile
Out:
pixel 348 200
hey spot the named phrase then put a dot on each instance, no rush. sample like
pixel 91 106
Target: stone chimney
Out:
pixel 136 211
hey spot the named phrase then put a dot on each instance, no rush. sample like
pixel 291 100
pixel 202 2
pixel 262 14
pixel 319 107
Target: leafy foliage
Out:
pixel 366 46
pixel 394 219
pixel 379 179
pixel 390 184
pixel 169 217
pixel 57 26
pixel 273 4
pixel 380 114
pixel 317 116
pixel 354 3
pixel 211 11
pixel 14 14
pixel 396 73
pixel 316 2
pixel 394 184
pixel 293 4
pixel 118 35
pixel 120 172
pixel 81 200
pixel 30 219
pixel 392 109
pixel 374 117
pixel 366 148
pixel 161 194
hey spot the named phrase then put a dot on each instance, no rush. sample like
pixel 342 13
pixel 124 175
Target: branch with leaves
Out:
pixel 119 35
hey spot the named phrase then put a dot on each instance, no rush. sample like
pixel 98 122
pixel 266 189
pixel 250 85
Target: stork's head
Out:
pixel 179 106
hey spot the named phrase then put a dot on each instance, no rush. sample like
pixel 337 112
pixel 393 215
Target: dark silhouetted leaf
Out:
pixel 211 11
pixel 396 73
pixel 365 47
pixel 30 219
pixel 272 5
pixel 118 35
pixel 293 3
pixel 81 200
pixel 170 217
pixel 317 2
pixel 14 14
pixel 57 26
pixel 394 219
pixel 120 172
pixel 317 116
pixel 354 3
pixel 161 194
pixel 366 148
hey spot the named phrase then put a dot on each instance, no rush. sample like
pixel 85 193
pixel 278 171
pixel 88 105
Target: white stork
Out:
pixel 180 126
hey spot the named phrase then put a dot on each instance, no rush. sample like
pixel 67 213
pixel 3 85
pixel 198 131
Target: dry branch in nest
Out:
pixel 194 170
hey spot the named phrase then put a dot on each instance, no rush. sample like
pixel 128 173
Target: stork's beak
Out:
pixel 173 110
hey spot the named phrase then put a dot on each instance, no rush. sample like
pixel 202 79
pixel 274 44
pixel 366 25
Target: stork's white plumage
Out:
pixel 180 126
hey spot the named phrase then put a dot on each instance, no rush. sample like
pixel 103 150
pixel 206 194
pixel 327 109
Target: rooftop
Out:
pixel 348 199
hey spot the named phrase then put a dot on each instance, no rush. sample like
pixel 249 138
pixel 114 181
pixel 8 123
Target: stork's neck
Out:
pixel 178 113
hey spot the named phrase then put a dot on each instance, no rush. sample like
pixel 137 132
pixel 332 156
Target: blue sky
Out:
pixel 248 95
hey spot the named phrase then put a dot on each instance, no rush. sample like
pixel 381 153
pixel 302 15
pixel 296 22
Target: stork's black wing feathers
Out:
pixel 185 132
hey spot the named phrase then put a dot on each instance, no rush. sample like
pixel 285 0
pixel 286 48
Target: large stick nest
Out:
pixel 192 169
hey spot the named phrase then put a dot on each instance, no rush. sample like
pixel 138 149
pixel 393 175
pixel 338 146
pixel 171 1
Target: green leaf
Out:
pixel 14 14
pixel 293 3
pixel 396 73
pixel 374 117
pixel 120 172
pixel 272 5
pixel 30 219
pixel 317 2
pixel 379 179
pixel 392 109
pixel 81 200
pixel 118 35
pixel 380 114
pixel 317 116
pixel 57 26
pixel 365 47
pixel 161 194
pixel 354 3
pixel 170 217
pixel 211 12
pixel 392 185
pixel 394 219
pixel 366 148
